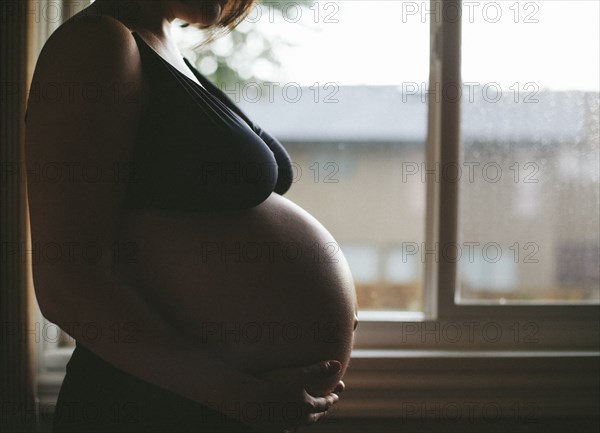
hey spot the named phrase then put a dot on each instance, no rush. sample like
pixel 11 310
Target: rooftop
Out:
pixel 384 114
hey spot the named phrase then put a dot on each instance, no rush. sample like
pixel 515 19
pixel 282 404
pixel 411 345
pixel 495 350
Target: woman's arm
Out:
pixel 83 114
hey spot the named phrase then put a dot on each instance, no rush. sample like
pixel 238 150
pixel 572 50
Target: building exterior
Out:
pixel 529 191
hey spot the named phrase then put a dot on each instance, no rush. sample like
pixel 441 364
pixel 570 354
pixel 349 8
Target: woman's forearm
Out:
pixel 112 320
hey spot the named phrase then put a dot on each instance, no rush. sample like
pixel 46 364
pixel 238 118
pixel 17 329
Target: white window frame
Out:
pixel 440 279
pixel 386 340
pixel 390 344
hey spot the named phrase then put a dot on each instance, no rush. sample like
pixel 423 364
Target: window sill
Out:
pixel 424 384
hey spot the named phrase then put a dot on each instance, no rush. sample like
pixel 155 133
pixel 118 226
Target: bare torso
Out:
pixel 266 287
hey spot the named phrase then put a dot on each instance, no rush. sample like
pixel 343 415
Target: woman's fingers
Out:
pixel 289 387
pixel 323 369
pixel 320 407
pixel 340 387
pixel 322 404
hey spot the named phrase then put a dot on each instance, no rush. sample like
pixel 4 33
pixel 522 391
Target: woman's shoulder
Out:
pixel 87 76
pixel 92 47
pixel 87 59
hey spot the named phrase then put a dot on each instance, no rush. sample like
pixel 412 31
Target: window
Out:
pixel 505 127
pixel 376 136
pixel 529 136
pixel 364 127
pixel 488 270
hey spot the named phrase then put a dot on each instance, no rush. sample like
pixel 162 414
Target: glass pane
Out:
pixel 337 83
pixel 529 192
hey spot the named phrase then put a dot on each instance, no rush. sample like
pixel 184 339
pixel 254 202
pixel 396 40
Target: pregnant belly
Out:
pixel 265 287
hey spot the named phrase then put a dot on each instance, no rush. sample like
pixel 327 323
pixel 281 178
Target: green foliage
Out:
pixel 230 59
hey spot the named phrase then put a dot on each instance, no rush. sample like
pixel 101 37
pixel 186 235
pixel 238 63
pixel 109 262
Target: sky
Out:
pixel 554 44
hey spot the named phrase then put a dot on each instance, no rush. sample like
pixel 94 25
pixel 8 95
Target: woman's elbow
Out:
pixel 57 298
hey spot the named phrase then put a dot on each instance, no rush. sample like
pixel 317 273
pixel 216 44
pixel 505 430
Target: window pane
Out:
pixel 345 106
pixel 529 192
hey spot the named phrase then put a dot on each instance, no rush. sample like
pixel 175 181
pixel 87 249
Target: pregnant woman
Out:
pixel 200 299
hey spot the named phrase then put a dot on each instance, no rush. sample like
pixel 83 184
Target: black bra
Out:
pixel 196 150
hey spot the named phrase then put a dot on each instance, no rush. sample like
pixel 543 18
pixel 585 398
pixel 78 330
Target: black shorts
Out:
pixel 98 397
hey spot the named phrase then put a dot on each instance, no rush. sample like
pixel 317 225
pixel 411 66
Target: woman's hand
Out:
pixel 285 402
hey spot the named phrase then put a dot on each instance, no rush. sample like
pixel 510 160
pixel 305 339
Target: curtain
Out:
pixel 18 410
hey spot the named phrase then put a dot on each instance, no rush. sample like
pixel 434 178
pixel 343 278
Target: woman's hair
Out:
pixel 234 13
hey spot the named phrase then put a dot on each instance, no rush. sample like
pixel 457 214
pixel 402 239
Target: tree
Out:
pixel 245 54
